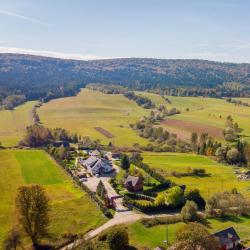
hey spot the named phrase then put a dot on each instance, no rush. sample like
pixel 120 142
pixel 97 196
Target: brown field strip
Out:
pixel 104 132
pixel 193 127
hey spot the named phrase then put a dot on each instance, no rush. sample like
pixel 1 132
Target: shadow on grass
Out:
pixel 226 218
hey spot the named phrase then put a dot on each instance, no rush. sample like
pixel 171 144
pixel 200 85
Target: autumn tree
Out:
pixel 196 236
pixel 229 122
pixel 233 155
pixel 189 211
pixel 33 208
pixel 136 157
pixel 247 153
pixel 36 136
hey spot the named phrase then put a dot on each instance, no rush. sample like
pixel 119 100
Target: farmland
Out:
pixel 14 122
pixel 221 176
pixel 204 113
pixel 71 209
pixel 100 116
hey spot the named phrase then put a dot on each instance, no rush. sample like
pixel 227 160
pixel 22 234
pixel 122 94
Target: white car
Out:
pixel 83 179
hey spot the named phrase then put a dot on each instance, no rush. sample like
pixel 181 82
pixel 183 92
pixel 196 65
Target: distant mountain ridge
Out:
pixel 35 76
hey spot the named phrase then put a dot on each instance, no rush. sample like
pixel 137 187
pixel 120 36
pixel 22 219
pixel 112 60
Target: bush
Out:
pixel 117 238
pixel 193 194
pixel 151 222
pixel 189 211
pixel 174 196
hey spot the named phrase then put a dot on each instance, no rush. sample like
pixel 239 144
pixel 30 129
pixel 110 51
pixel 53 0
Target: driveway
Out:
pixel 92 183
pixel 119 218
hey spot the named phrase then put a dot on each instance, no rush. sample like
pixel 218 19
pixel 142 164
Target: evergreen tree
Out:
pixel 125 162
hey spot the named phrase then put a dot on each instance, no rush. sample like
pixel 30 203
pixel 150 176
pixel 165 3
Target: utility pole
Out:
pixel 166 241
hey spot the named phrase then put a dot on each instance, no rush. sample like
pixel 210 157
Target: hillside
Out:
pixel 37 76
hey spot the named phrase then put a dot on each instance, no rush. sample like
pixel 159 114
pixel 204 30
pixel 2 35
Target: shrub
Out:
pixel 195 236
pixel 193 194
pixel 189 211
pixel 117 238
pixel 174 196
pixel 151 222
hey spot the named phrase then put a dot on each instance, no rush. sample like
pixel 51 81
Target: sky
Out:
pixel 201 29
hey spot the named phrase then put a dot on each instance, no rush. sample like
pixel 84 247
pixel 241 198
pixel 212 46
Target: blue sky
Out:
pixel 206 29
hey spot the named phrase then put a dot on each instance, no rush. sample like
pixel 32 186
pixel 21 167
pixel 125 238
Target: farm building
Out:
pixel 97 165
pixel 228 239
pixel 134 183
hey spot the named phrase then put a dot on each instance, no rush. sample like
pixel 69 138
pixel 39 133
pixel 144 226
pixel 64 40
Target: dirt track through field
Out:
pixel 104 132
pixel 188 126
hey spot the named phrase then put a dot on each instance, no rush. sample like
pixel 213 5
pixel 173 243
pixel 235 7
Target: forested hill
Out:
pixel 36 76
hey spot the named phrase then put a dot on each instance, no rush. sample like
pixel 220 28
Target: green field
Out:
pixel 141 236
pixel 71 209
pixel 14 122
pixel 90 109
pixel 205 111
pixel 222 177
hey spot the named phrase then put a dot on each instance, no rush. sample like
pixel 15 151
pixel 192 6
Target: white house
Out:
pixel 97 165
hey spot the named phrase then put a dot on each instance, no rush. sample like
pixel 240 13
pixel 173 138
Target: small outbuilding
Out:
pixel 134 183
pixel 228 238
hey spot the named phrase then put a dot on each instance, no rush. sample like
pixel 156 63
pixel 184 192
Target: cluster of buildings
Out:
pixel 96 164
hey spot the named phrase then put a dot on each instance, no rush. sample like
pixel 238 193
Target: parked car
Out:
pixel 83 179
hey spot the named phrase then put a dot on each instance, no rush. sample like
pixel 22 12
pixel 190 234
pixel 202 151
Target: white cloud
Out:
pixel 26 18
pixel 50 54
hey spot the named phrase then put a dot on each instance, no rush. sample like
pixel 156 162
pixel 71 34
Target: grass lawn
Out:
pixel 14 122
pixel 71 209
pixel 90 109
pixel 141 236
pixel 222 177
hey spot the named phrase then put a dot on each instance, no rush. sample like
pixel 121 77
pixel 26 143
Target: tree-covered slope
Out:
pixel 37 76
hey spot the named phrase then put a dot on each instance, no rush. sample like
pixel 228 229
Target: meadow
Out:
pixel 100 116
pixel 220 177
pixel 14 122
pixel 141 236
pixel 206 113
pixel 71 210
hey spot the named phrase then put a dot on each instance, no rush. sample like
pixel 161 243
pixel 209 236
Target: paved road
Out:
pixel 119 218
